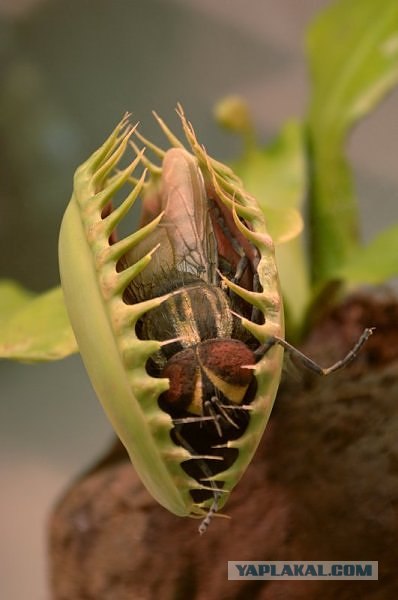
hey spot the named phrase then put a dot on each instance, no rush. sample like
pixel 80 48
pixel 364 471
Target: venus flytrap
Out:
pixel 99 279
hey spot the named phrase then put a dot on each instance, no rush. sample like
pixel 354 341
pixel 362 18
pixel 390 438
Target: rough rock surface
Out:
pixel 323 486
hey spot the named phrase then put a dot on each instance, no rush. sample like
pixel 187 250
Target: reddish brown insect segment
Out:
pixel 210 369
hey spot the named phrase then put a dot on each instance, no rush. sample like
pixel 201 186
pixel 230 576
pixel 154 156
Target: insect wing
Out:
pixel 186 248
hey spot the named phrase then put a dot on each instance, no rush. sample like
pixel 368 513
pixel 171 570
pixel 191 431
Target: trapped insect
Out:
pixel 180 324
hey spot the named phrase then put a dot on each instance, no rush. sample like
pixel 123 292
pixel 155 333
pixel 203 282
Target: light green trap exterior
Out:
pixel 104 325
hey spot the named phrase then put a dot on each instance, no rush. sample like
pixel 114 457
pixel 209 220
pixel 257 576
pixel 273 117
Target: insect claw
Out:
pixel 207 520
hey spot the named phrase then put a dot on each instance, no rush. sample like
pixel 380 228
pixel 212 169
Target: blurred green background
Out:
pixel 69 69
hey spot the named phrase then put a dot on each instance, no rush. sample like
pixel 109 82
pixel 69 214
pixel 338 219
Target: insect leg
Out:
pixel 209 407
pixel 212 511
pixel 311 364
pixel 240 268
pixel 204 524
pixel 223 413
pixel 185 420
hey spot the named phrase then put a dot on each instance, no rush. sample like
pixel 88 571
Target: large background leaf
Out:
pixel 34 328
pixel 353 55
pixel 375 263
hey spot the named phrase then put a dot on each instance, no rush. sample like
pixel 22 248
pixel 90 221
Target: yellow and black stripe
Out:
pixel 193 314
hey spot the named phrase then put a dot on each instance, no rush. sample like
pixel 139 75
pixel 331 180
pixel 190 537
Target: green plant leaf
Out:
pixel 376 262
pixel 12 298
pixel 34 327
pixel 353 56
